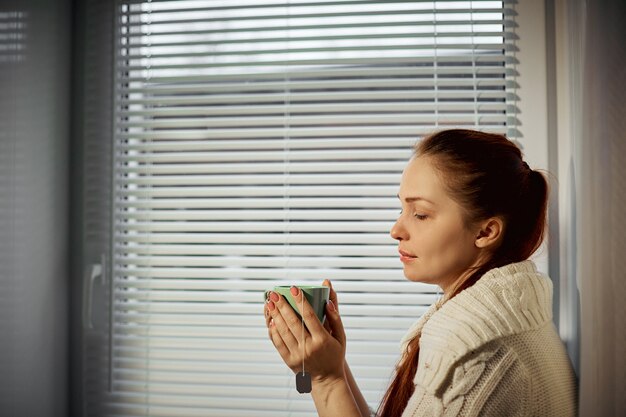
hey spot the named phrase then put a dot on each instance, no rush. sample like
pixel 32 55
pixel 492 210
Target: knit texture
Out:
pixel 493 351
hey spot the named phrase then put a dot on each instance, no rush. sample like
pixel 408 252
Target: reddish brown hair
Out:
pixel 486 175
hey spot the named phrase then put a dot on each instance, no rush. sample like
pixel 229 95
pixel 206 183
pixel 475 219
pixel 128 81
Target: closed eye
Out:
pixel 418 216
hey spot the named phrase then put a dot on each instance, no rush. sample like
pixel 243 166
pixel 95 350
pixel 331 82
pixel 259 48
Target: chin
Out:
pixel 415 276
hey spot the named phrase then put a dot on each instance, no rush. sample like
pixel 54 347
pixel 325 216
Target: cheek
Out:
pixel 445 248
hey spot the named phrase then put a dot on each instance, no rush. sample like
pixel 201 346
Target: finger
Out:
pixel 311 321
pixel 278 342
pixel 268 316
pixel 335 323
pixel 333 294
pixel 282 325
pixel 289 317
pixel 327 326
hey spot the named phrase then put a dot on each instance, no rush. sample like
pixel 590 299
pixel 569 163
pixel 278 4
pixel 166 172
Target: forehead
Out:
pixel 420 179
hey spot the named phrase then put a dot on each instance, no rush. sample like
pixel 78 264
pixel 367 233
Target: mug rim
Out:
pixel 301 286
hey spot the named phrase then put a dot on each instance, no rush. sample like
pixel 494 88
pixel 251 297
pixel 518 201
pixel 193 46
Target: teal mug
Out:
pixel 316 295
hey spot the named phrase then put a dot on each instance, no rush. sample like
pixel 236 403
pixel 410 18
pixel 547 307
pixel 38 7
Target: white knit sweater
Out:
pixel 493 351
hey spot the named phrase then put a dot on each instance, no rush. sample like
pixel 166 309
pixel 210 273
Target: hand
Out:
pixel 322 351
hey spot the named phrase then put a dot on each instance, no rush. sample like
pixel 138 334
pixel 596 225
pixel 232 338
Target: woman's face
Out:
pixel 434 245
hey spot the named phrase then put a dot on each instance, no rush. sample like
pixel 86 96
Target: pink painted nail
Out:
pixel 294 291
pixel 273 296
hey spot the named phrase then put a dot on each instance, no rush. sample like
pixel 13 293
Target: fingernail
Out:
pixel 331 305
pixel 295 291
pixel 271 306
pixel 273 296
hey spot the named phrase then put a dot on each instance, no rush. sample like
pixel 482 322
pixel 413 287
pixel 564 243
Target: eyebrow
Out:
pixel 412 199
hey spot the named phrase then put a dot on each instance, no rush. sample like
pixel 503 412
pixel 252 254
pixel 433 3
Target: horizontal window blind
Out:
pixel 260 143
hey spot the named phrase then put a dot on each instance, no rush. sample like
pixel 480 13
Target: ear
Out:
pixel 490 233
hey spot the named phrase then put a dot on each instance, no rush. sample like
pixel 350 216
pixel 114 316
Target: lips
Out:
pixel 406 257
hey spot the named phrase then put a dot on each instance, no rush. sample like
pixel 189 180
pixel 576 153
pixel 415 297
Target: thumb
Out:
pixel 334 322
pixel 333 294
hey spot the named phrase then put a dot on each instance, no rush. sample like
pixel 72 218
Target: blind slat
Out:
pixel 268 238
pixel 295 121
pixel 444 64
pixel 313 226
pixel 375 130
pixel 270 275
pixel 261 214
pixel 448 78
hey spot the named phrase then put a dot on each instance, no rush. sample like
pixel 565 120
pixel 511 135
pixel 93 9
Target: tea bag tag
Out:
pixel 303 382
pixel 303 379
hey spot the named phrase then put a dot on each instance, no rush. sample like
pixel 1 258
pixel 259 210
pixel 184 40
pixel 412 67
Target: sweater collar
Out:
pixel 505 301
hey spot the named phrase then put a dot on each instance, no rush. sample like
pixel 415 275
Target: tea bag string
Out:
pixel 302 322
pixel 303 380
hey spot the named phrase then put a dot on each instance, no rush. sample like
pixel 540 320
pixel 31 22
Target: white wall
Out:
pixel 34 138
pixel 590 120
pixel 567 119
pixel 600 158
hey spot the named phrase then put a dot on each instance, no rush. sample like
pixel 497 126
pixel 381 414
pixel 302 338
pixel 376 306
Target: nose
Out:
pixel 398 232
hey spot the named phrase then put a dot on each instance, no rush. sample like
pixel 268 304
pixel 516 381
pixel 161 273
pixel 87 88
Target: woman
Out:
pixel 472 214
